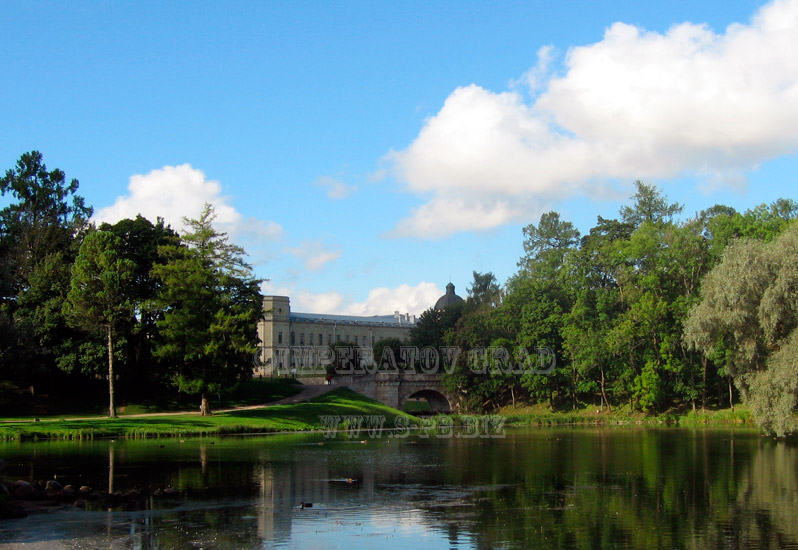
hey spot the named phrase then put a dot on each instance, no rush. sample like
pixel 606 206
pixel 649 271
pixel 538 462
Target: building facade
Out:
pixel 292 340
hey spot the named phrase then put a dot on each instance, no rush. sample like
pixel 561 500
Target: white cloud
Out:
pixel 381 301
pixel 336 189
pixel 315 254
pixel 318 302
pixel 175 192
pixel 404 298
pixel 636 105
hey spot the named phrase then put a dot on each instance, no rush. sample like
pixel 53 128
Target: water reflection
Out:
pixel 549 488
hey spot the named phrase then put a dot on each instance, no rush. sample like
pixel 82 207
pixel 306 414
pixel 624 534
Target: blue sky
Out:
pixel 366 153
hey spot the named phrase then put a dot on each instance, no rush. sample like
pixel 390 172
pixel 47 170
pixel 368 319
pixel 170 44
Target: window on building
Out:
pixel 321 338
pixel 329 339
pixel 279 337
pixel 355 339
pixel 301 338
pixel 293 340
pixel 347 338
pixel 337 337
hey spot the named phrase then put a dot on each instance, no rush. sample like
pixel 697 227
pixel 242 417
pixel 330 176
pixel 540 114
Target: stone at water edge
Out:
pixel 53 485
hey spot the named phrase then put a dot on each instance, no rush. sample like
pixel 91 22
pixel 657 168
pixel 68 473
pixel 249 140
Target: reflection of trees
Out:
pixel 110 468
pixel 638 488
pixel 764 510
pixel 559 488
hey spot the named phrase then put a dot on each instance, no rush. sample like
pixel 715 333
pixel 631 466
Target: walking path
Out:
pixel 308 391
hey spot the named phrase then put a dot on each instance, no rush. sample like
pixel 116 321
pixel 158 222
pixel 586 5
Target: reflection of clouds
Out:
pixel 412 521
pixel 375 508
pixel 716 486
pixel 386 524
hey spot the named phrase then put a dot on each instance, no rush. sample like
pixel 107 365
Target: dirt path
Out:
pixel 308 391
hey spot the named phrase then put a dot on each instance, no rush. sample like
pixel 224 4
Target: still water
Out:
pixel 614 487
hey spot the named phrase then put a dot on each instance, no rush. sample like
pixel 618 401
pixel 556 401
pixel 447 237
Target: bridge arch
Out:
pixel 394 389
pixel 437 401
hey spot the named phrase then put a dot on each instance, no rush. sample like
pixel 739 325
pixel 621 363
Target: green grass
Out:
pixel 251 392
pixel 416 406
pixel 295 417
pixel 740 415
pixel 91 398
pixel 540 415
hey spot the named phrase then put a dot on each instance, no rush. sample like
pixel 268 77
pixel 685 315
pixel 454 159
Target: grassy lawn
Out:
pixel 251 392
pixel 294 417
pixel 93 400
pixel 418 406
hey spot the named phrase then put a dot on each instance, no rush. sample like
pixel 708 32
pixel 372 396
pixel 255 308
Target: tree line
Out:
pixel 132 304
pixel 644 312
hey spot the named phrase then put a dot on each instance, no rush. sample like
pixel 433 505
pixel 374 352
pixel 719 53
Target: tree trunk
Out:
pixel 603 393
pixel 692 380
pixel 205 408
pixel 574 381
pixel 512 393
pixel 111 407
pixel 704 383
pixel 731 395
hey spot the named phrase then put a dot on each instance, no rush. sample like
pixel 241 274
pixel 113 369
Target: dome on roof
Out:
pixel 447 299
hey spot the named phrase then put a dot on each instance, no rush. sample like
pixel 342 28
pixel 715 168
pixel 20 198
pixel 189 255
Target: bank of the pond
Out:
pixel 336 409
pixel 536 417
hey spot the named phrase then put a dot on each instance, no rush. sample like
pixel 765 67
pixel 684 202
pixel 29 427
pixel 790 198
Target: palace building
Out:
pixel 285 334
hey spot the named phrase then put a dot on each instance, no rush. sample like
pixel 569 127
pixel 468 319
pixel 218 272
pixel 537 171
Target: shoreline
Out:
pixel 345 406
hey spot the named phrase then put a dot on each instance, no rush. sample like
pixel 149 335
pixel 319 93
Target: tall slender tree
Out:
pixel 140 242
pixel 99 293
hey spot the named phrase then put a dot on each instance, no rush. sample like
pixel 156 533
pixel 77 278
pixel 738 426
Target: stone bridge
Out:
pixel 395 388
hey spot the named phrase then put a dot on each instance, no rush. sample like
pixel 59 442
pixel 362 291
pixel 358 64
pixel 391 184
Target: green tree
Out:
pixel 747 319
pixel 46 218
pixel 140 242
pixel 648 205
pixel 433 325
pixel 585 328
pixel 485 290
pixel 546 243
pixel 40 233
pixel 98 295
pixel 536 295
pixel 470 378
pixel 383 349
pixel 210 304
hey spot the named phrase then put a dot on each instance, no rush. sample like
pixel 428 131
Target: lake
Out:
pixel 608 487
